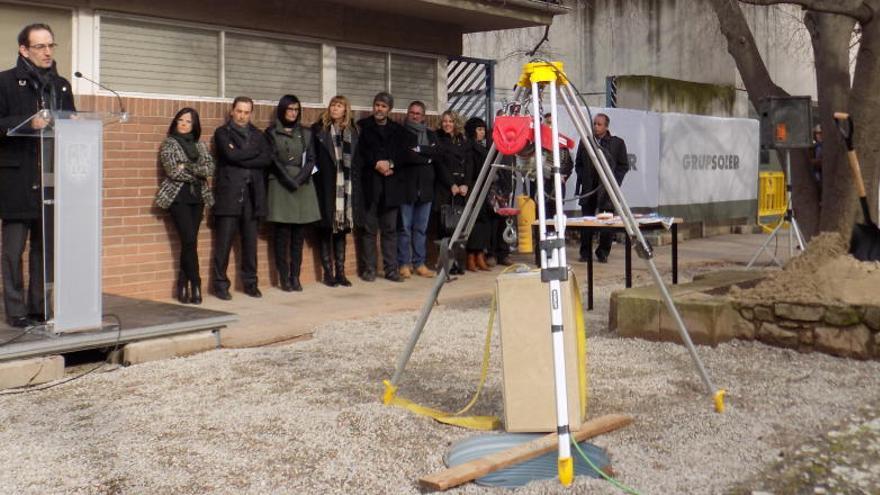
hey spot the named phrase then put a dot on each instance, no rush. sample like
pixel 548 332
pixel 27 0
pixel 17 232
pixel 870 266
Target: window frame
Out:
pixel 221 32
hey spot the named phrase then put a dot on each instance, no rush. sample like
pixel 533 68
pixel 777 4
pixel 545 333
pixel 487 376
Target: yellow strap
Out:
pixel 484 423
pixel 581 328
pixel 488 423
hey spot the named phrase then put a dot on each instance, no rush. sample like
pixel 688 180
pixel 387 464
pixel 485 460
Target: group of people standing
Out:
pixel 381 179
pixel 376 177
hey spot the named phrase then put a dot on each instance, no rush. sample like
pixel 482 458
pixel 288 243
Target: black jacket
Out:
pixel 377 144
pixel 322 155
pixel 23 94
pixel 420 175
pixel 479 152
pixel 240 170
pixel 455 167
pixel 614 149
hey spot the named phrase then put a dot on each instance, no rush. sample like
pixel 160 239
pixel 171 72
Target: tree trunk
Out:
pixel 864 105
pixel 741 46
pixel 830 35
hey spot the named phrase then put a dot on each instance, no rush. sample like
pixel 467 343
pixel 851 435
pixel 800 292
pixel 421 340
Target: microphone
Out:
pixel 123 115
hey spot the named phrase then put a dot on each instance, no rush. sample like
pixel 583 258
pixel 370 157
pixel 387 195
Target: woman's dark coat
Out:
pixel 454 167
pixel 323 156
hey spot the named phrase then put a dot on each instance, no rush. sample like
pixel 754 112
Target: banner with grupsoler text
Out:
pixel 691 166
pixel 708 166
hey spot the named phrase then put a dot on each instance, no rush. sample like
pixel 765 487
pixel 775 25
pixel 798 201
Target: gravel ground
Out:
pixel 306 418
pixel 843 460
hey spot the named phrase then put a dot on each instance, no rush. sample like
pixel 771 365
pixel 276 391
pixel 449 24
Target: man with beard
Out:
pixel 383 153
pixel 32 85
pixel 415 212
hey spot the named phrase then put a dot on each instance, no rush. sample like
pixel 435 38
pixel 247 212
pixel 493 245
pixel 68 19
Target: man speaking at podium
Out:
pixel 32 85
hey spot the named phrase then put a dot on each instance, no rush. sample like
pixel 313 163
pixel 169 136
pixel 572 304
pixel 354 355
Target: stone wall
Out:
pixel 849 331
pixel 713 314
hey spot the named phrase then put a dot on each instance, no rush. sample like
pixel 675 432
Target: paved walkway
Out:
pixel 280 316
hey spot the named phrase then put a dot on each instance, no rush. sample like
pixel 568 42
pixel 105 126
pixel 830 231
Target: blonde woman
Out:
pixel 455 172
pixel 332 150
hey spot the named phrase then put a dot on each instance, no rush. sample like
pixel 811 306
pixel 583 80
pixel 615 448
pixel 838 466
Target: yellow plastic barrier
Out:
pixel 527 214
pixel 772 199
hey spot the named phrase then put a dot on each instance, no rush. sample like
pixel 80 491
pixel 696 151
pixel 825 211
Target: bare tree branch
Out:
pixel 742 47
pixel 856 9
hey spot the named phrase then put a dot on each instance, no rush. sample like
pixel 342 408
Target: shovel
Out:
pixel 865 241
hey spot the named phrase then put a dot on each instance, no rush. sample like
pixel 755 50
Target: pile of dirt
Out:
pixel 825 273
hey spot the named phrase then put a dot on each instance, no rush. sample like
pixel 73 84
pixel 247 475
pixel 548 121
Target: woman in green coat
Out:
pixel 293 203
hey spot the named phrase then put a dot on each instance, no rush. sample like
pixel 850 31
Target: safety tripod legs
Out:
pixel 537 77
pixel 794 234
pixel 569 99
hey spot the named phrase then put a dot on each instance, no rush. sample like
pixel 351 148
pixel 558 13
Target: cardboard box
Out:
pixel 527 352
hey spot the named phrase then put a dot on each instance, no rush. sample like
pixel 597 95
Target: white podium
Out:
pixel 71 158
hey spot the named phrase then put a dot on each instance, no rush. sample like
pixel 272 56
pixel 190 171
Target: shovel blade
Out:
pixel 865 242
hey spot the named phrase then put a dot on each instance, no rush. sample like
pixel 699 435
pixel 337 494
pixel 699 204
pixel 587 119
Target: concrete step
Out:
pixel 32 371
pixel 710 319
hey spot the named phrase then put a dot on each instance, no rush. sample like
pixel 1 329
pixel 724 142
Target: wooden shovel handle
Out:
pixel 844 124
pixel 857 172
pixel 850 153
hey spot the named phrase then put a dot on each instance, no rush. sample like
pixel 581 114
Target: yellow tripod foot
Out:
pixel 390 392
pixel 719 400
pixel 566 471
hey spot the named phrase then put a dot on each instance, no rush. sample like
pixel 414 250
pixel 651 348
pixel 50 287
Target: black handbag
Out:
pixel 451 214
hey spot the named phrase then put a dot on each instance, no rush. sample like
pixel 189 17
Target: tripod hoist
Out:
pixel 515 131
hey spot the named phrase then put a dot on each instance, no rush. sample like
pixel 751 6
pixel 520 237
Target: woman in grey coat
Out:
pixel 184 193
pixel 292 201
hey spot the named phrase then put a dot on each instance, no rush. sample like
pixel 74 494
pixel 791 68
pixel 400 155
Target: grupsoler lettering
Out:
pixel 710 162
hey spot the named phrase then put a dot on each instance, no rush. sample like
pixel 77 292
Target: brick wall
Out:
pixel 140 242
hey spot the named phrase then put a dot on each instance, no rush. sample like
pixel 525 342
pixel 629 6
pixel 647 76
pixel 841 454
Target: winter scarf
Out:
pixel 342 217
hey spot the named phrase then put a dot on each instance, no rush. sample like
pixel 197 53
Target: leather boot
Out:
pixel 296 254
pixel 339 256
pixel 196 294
pixel 326 247
pixel 471 264
pixel 481 262
pixel 182 291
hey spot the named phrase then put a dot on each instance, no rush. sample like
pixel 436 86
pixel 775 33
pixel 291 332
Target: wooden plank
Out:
pixel 472 470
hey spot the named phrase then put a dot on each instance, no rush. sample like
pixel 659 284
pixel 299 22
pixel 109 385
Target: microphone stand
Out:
pixel 123 115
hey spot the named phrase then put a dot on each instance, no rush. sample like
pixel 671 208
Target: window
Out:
pixel 14 17
pixel 266 69
pixel 360 74
pixel 155 58
pixel 140 55
pixel 414 78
